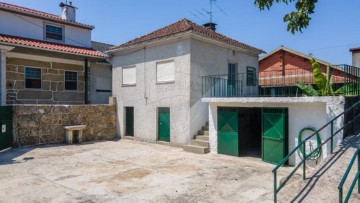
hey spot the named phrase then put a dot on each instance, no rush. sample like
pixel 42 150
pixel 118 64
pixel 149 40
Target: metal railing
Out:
pixel 306 156
pixel 228 85
pixel 278 83
pixel 356 178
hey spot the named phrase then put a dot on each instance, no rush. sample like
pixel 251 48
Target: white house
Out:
pixel 50 59
pixel 158 81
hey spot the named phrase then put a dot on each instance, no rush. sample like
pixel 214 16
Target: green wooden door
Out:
pixel 6 132
pixel 164 124
pixel 274 134
pixel 129 120
pixel 228 136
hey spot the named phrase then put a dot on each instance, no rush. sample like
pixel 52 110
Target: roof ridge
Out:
pixel 40 14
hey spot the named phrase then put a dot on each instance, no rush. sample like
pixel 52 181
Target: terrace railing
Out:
pixel 301 146
pixel 278 83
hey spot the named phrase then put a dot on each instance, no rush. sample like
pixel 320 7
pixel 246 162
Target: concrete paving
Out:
pixel 130 171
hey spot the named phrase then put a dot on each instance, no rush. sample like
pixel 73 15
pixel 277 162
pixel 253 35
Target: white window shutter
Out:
pixel 165 71
pixel 129 75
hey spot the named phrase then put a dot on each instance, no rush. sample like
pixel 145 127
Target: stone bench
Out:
pixel 69 135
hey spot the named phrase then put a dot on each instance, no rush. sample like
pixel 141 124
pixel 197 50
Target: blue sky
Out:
pixel 334 29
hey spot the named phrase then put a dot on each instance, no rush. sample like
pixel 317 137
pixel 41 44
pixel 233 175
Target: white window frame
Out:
pixel 165 81
pixel 122 76
pixel 55 25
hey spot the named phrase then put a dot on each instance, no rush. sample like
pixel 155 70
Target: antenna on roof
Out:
pixel 211 10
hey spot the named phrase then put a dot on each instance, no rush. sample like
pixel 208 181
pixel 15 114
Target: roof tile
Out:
pixel 50 46
pixel 182 26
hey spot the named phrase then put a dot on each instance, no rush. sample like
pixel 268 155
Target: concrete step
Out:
pixel 202 138
pixel 200 143
pixel 203 132
pixel 206 128
pixel 196 149
pixel 207 123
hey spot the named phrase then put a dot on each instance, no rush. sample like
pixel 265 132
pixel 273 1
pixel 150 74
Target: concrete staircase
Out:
pixel 199 145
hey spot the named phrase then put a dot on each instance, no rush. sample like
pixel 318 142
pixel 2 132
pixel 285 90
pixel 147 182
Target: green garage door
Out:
pixel 228 136
pixel 164 124
pixel 274 134
pixel 5 127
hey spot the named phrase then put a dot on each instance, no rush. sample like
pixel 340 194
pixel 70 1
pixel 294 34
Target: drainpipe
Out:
pixel 86 74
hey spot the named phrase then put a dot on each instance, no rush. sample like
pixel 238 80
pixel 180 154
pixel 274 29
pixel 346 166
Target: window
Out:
pixel 70 80
pixel 129 75
pixel 54 33
pixel 165 71
pixel 251 76
pixel 33 78
pixel 231 73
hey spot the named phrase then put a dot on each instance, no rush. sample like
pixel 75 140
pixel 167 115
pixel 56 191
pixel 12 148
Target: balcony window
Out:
pixel 250 76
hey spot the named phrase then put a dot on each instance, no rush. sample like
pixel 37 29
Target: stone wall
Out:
pixel 52 83
pixel 43 124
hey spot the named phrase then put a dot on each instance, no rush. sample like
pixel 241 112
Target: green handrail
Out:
pixel 302 144
pixel 356 179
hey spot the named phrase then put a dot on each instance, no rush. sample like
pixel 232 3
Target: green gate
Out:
pixel 228 131
pixel 274 134
pixel 164 124
pixel 6 130
pixel 129 121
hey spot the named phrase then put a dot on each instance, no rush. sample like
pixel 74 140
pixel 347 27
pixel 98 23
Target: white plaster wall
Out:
pixel 209 59
pixel 96 71
pixel 29 27
pixel 356 59
pixel 303 112
pixel 147 95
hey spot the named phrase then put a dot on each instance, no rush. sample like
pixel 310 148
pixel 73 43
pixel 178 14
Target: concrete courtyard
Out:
pixel 129 171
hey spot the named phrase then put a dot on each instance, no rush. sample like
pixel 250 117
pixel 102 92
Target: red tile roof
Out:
pixel 31 43
pixel 39 14
pixel 182 26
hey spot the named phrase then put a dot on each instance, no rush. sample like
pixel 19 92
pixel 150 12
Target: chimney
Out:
pixel 211 26
pixel 68 11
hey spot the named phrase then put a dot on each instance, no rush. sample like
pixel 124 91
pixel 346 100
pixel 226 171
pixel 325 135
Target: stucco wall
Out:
pixel 209 59
pixel 100 73
pixel 303 112
pixel 29 27
pixel 146 96
pixel 44 124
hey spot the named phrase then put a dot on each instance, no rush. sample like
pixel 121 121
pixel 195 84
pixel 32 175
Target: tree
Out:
pixel 296 20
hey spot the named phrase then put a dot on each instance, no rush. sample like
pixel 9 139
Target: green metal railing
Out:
pixel 356 179
pixel 306 156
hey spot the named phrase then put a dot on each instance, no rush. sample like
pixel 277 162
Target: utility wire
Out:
pixel 43 28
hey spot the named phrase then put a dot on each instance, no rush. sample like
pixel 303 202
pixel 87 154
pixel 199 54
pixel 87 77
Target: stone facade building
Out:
pixel 50 59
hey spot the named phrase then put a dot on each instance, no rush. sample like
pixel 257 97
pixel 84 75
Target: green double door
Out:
pixel 164 124
pixel 274 133
pixel 6 131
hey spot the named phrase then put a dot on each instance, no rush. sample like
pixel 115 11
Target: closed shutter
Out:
pixel 129 75
pixel 165 71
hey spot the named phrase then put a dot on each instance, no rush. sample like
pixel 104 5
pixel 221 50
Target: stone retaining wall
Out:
pixel 43 124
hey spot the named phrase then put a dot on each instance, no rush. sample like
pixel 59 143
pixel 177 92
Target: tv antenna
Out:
pixel 208 13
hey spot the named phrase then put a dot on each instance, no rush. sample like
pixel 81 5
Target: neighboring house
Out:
pixel 49 59
pixel 355 57
pixel 158 80
pixel 100 77
pixel 282 68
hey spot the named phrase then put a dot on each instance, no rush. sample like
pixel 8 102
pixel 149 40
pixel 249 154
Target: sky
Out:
pixel 334 28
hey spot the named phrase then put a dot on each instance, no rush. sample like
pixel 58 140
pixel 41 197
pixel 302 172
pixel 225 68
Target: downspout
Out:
pixel 86 74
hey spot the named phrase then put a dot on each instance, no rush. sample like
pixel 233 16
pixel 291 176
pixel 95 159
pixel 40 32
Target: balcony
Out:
pixel 278 83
